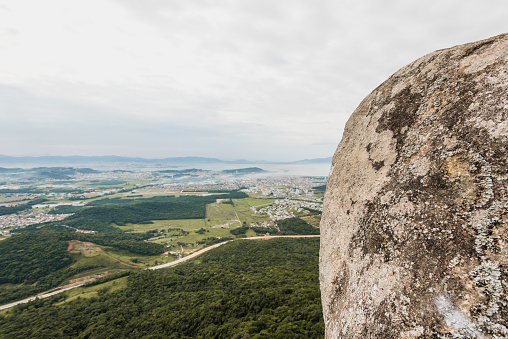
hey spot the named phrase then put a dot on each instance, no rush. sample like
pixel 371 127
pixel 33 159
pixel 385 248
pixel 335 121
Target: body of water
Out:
pixel 319 169
pixel 315 170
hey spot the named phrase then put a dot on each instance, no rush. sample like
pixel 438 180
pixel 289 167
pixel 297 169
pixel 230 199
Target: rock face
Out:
pixel 414 235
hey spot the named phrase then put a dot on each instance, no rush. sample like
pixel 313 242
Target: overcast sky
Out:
pixel 252 79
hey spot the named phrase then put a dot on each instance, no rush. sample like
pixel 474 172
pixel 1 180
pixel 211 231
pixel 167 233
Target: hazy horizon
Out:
pixel 320 168
pixel 162 158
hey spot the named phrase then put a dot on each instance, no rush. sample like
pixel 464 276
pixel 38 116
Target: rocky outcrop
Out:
pixel 414 235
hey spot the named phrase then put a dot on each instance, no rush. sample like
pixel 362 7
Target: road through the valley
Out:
pixel 169 264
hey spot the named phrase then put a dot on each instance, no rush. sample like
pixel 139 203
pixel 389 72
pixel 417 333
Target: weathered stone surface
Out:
pixel 414 235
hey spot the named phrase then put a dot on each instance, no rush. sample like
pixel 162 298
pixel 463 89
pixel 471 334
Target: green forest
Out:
pixel 34 262
pixel 295 226
pixel 123 211
pixel 25 258
pixel 244 289
pixel 38 261
pixel 290 226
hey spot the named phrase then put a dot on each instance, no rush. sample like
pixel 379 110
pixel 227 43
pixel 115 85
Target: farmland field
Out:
pixel 185 224
pixel 243 208
pixel 221 214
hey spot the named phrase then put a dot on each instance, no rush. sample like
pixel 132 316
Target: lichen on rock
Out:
pixel 414 234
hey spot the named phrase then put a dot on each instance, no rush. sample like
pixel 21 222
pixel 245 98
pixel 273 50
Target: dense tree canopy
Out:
pixel 38 261
pixel 25 258
pixel 295 226
pixel 245 289
pixel 34 262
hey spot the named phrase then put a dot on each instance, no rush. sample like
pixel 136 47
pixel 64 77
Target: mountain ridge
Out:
pixel 74 159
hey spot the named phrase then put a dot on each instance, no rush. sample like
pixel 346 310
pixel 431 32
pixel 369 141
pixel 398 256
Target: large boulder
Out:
pixel 414 235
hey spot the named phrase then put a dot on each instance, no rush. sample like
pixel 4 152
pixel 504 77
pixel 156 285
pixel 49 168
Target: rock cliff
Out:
pixel 414 235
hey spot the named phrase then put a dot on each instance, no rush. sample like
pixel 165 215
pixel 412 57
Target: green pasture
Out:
pixel 106 258
pixel 245 213
pixel 259 195
pixel 149 194
pixel 98 260
pixel 221 214
pixel 5 200
pixel 192 238
pixel 185 224
pixel 258 202
pixel 250 233
pixel 133 259
pixel 93 291
pixel 314 220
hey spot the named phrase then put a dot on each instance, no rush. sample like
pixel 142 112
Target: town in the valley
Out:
pixel 39 196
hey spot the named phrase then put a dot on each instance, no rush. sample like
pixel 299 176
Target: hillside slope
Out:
pixel 245 289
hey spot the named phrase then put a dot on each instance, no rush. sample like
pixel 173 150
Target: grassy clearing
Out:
pixel 99 260
pixel 143 194
pixel 9 202
pixel 243 208
pixel 109 196
pixel 221 214
pixel 107 255
pixel 85 248
pixel 257 202
pixel 137 182
pixel 258 195
pixel 164 240
pixel 93 291
pixel 84 275
pixel 251 233
pixel 314 220
pixel 190 240
pixel 148 194
pixel 217 214
pixel 184 224
pixel 132 259
pixel 211 232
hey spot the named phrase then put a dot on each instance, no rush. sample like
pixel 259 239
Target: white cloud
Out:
pixel 223 76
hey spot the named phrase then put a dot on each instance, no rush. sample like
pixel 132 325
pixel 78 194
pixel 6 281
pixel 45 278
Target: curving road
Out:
pixel 42 296
pixel 195 254
pixel 169 264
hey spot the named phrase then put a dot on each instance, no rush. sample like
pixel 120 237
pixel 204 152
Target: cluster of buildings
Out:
pixel 297 182
pixel 284 192
pixel 27 218
pixel 286 208
pixel 115 175
pixel 262 224
pixel 296 193
pixel 270 184
pixel 16 195
pixel 77 203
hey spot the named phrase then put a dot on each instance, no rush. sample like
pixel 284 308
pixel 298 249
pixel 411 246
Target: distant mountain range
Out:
pixel 5 160
pixel 67 172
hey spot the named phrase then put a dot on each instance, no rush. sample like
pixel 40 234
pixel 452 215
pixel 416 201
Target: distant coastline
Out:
pixel 310 167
